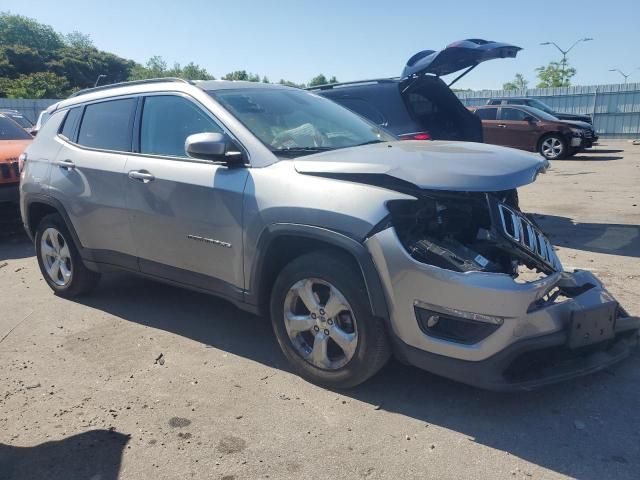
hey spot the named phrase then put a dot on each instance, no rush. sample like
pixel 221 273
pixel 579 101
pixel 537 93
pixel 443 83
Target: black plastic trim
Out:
pixel 373 284
pixel 488 374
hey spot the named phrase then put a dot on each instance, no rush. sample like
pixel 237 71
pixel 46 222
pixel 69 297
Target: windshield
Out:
pixel 542 114
pixel 292 122
pixel 20 120
pixel 10 130
pixel 540 106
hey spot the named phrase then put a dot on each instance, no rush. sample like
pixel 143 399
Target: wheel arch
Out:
pixel 279 244
pixel 39 206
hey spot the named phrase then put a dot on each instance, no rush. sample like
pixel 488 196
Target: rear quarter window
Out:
pixel 108 125
pixel 70 124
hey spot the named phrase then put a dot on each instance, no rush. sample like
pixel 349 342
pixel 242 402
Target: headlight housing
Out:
pixel 577 132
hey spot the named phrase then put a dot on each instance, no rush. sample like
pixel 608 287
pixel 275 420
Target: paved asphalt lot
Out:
pixel 84 394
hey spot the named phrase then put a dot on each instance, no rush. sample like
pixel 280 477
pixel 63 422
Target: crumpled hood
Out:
pixel 434 165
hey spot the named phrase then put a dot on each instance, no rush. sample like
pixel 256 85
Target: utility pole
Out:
pixel 625 75
pixel 564 53
pixel 100 77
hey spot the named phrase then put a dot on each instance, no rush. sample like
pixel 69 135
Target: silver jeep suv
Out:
pixel 357 245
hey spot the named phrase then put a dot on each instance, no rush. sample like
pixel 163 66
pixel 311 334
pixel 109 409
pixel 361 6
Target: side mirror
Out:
pixel 211 146
pixel 530 119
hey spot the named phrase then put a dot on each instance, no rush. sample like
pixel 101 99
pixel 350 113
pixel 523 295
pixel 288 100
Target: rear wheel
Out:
pixel 323 322
pixel 59 260
pixel 553 147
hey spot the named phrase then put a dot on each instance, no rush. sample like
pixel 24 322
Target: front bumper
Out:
pixel 528 349
pixel 9 192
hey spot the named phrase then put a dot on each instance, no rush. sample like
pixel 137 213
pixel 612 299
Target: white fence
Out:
pixel 30 108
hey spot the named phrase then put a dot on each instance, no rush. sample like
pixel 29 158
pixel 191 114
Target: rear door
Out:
pixel 185 214
pixel 515 130
pixel 88 176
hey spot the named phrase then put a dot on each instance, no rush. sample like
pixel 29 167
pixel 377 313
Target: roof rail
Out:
pixel 127 84
pixel 329 86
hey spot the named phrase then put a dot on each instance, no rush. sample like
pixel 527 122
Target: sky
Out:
pixel 352 40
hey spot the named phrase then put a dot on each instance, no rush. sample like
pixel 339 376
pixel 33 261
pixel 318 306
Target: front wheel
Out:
pixel 322 319
pixel 553 147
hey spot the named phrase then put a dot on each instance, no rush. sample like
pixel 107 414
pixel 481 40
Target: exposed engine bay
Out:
pixel 467 232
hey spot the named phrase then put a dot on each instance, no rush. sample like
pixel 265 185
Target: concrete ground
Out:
pixel 141 380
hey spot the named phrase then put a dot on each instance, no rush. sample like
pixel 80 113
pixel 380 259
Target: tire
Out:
pixel 54 243
pixel 553 147
pixel 331 278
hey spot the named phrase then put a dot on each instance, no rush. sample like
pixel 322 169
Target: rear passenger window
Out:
pixel 513 114
pixel 70 123
pixel 167 121
pixel 487 113
pixel 108 125
pixel 363 108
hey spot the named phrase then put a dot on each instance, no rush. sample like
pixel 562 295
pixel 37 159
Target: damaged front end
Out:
pixel 477 293
pixel 466 232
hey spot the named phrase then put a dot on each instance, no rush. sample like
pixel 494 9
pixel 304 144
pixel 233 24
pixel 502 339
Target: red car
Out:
pixel 13 140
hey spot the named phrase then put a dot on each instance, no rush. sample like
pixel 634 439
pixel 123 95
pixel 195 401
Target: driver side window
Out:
pixel 167 121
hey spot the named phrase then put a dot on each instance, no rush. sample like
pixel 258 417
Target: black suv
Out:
pixel 419 105
pixel 532 102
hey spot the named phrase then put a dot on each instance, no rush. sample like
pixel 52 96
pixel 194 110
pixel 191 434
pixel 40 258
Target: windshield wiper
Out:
pixel 377 140
pixel 300 150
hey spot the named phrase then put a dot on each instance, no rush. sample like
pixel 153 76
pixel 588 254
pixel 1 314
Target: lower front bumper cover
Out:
pixel 560 363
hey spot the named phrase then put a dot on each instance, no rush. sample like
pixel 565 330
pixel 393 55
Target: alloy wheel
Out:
pixel 56 257
pixel 552 147
pixel 320 323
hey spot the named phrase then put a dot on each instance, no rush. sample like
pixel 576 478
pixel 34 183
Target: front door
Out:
pixel 517 129
pixel 185 214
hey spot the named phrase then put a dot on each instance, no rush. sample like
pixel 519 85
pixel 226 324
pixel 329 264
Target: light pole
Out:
pixel 100 77
pixel 564 52
pixel 625 75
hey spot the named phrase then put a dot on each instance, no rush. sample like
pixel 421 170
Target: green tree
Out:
pixel 191 71
pixel 78 40
pixel 518 83
pixel 242 75
pixel 35 85
pixel 18 60
pixel 555 75
pixel 156 67
pixel 82 67
pixel 25 31
pixel 289 83
pixel 322 80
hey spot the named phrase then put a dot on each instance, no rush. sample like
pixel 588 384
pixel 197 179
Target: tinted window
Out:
pixel 10 130
pixel 487 113
pixel 107 125
pixel 167 121
pixel 363 108
pixel 70 123
pixel 513 114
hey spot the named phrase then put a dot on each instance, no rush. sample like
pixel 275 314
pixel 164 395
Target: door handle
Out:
pixel 141 175
pixel 65 164
pixel 502 125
